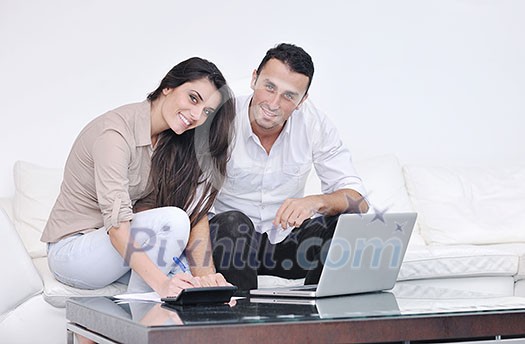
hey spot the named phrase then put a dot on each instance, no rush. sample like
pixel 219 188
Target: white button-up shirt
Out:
pixel 257 183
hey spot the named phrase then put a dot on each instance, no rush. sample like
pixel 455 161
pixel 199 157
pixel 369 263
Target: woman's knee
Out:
pixel 175 228
pixel 164 219
pixel 176 217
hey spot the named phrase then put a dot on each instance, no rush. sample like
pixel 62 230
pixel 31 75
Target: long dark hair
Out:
pixel 187 170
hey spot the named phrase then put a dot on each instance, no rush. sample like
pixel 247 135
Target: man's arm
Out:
pixel 294 211
pixel 342 187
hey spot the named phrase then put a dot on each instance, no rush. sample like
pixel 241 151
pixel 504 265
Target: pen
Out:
pixel 180 264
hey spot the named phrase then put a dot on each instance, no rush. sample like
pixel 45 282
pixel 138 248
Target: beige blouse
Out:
pixel 106 172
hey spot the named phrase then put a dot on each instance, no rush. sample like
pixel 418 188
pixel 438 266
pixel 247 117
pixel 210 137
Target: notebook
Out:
pixel 365 255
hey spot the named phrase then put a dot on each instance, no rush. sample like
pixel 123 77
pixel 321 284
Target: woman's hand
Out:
pixel 216 279
pixel 173 286
pixel 212 280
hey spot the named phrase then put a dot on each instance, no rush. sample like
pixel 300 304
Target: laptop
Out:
pixel 365 255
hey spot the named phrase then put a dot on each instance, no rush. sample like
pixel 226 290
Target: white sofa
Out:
pixel 470 235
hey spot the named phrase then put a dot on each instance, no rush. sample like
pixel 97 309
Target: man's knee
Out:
pixel 233 239
pixel 231 217
pixel 233 224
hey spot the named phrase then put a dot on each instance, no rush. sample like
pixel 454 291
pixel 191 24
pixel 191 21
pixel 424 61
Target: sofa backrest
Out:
pixel 385 186
pixel 468 205
pixel 383 180
pixel 36 189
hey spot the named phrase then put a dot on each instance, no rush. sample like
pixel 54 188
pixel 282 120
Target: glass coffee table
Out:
pixel 408 313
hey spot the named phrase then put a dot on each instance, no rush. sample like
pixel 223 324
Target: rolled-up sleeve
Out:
pixel 333 161
pixel 111 159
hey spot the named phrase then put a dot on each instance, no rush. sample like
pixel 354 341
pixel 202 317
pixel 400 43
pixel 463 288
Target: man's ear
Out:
pixel 254 79
pixel 302 101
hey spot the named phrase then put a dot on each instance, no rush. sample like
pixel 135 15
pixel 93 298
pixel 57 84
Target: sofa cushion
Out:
pixel 434 261
pixel 519 250
pixel 56 293
pixel 385 185
pixel 20 279
pixel 36 189
pixel 462 264
pixel 34 321
pixel 467 205
pixel 384 182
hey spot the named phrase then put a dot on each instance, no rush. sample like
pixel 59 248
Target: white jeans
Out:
pixel 89 261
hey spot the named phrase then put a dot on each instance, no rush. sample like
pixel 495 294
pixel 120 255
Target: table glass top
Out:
pixel 403 301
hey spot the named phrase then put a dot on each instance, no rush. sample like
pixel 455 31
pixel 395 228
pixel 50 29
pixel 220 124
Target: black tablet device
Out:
pixel 202 295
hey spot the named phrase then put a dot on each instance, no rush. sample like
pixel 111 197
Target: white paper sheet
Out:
pixel 151 296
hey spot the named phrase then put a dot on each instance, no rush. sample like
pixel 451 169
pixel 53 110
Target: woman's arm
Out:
pixel 139 261
pixel 199 254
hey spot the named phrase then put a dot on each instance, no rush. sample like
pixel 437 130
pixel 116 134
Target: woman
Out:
pixel 166 155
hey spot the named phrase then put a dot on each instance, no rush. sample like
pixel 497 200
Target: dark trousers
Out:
pixel 240 253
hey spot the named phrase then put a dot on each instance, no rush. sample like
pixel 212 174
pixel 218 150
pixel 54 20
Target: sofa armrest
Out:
pixel 21 280
pixel 7 205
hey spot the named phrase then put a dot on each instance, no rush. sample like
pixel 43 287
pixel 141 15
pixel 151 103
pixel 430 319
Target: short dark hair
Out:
pixel 294 57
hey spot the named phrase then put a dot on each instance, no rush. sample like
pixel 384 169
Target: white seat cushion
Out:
pixel 56 293
pixel 436 261
pixel 517 249
pixel 20 280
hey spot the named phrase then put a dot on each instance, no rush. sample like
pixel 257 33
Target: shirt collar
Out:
pixel 245 123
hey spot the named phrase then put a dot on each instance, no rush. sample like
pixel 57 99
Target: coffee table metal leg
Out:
pixel 73 329
pixel 70 336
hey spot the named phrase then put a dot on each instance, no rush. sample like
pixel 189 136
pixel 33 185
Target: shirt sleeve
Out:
pixel 333 161
pixel 111 158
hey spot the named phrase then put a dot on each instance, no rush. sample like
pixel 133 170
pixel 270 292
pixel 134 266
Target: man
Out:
pixel 264 223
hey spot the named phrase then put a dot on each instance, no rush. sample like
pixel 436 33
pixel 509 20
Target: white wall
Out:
pixel 432 81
